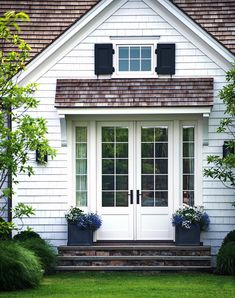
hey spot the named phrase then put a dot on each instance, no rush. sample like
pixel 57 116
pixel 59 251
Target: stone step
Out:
pixel 134 260
pixel 151 250
pixel 134 268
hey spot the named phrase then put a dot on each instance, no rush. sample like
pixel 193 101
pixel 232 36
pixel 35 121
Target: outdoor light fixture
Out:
pixel 227 150
pixel 39 159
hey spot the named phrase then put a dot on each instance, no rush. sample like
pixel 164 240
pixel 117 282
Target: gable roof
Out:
pixel 216 17
pixel 50 19
pixel 134 93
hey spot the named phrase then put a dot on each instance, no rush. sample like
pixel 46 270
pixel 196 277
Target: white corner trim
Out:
pixel 68 35
pixel 134 111
pixel 192 32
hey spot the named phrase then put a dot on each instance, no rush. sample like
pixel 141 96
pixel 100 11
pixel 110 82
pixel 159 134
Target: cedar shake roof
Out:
pixel 134 93
pixel 50 18
pixel 216 17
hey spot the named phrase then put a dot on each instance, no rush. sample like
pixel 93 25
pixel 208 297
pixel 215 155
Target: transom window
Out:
pixel 135 58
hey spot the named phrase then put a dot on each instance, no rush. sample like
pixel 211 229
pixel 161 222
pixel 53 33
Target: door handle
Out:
pixel 131 196
pixel 138 195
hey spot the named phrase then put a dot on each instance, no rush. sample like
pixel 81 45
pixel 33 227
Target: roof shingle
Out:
pixel 134 93
pixel 50 18
pixel 216 17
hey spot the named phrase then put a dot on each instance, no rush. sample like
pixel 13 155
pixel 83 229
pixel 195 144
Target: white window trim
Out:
pixel 134 72
pixel 134 42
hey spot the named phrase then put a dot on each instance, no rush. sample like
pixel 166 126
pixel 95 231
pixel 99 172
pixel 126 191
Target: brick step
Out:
pixel 134 250
pixel 135 268
pixel 134 260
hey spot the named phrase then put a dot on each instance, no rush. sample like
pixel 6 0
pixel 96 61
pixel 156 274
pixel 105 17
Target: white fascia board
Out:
pixel 63 44
pixel 135 111
pixel 193 32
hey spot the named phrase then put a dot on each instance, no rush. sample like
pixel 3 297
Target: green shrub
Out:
pixel 229 238
pixel 226 259
pixel 24 235
pixel 19 267
pixel 44 251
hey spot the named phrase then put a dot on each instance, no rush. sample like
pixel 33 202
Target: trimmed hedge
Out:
pixel 44 251
pixel 229 238
pixel 19 267
pixel 25 235
pixel 226 259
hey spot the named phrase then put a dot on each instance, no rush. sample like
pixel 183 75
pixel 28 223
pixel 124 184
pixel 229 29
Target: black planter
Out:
pixel 185 236
pixel 77 236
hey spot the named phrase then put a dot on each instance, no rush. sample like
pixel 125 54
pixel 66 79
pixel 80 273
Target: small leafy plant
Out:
pixel 188 215
pixel 84 221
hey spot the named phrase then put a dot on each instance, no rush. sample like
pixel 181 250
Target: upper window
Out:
pixel 135 58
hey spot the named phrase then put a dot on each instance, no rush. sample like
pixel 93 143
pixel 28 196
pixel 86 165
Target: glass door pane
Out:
pixel 114 166
pixel 154 166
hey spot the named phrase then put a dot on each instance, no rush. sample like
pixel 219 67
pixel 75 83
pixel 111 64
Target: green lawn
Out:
pixel 124 285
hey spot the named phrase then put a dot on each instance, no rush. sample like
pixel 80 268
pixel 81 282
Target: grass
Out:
pixel 127 284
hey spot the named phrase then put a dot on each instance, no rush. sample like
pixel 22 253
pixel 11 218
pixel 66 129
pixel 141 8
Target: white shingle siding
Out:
pixel 48 191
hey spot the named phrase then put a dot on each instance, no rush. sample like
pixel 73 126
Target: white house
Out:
pixel 130 92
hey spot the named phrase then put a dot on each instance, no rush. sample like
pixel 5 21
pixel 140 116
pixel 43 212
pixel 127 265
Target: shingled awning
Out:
pixel 90 93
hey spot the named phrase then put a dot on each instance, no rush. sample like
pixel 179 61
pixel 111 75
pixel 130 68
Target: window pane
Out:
pixel 135 65
pixel 81 134
pixel 188 182
pixel 188 149
pixel 161 198
pixel 147 182
pixel 108 166
pixel 145 52
pixel 108 199
pixel 161 166
pixel 124 52
pixel 134 52
pixel 81 150
pixel 161 134
pixel 188 134
pixel 122 166
pixel 161 150
pixel 122 199
pixel 147 199
pixel 81 198
pixel 145 65
pixel 188 197
pixel 107 150
pixel 107 134
pixel 121 134
pixel 122 150
pixel 81 166
pixel 107 182
pixel 147 134
pixel 123 65
pixel 81 182
pixel 122 182
pixel 147 166
pixel 147 150
pixel 161 182
pixel 188 166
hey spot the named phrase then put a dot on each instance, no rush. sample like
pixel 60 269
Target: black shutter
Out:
pixel 165 59
pixel 104 59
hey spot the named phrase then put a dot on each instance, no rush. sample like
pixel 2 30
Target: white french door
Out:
pixel 134 173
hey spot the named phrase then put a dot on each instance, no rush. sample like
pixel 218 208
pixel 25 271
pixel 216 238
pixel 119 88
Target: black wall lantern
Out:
pixel 39 159
pixel 227 149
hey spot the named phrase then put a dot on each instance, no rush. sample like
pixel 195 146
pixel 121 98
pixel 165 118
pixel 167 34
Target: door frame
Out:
pixel 90 120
